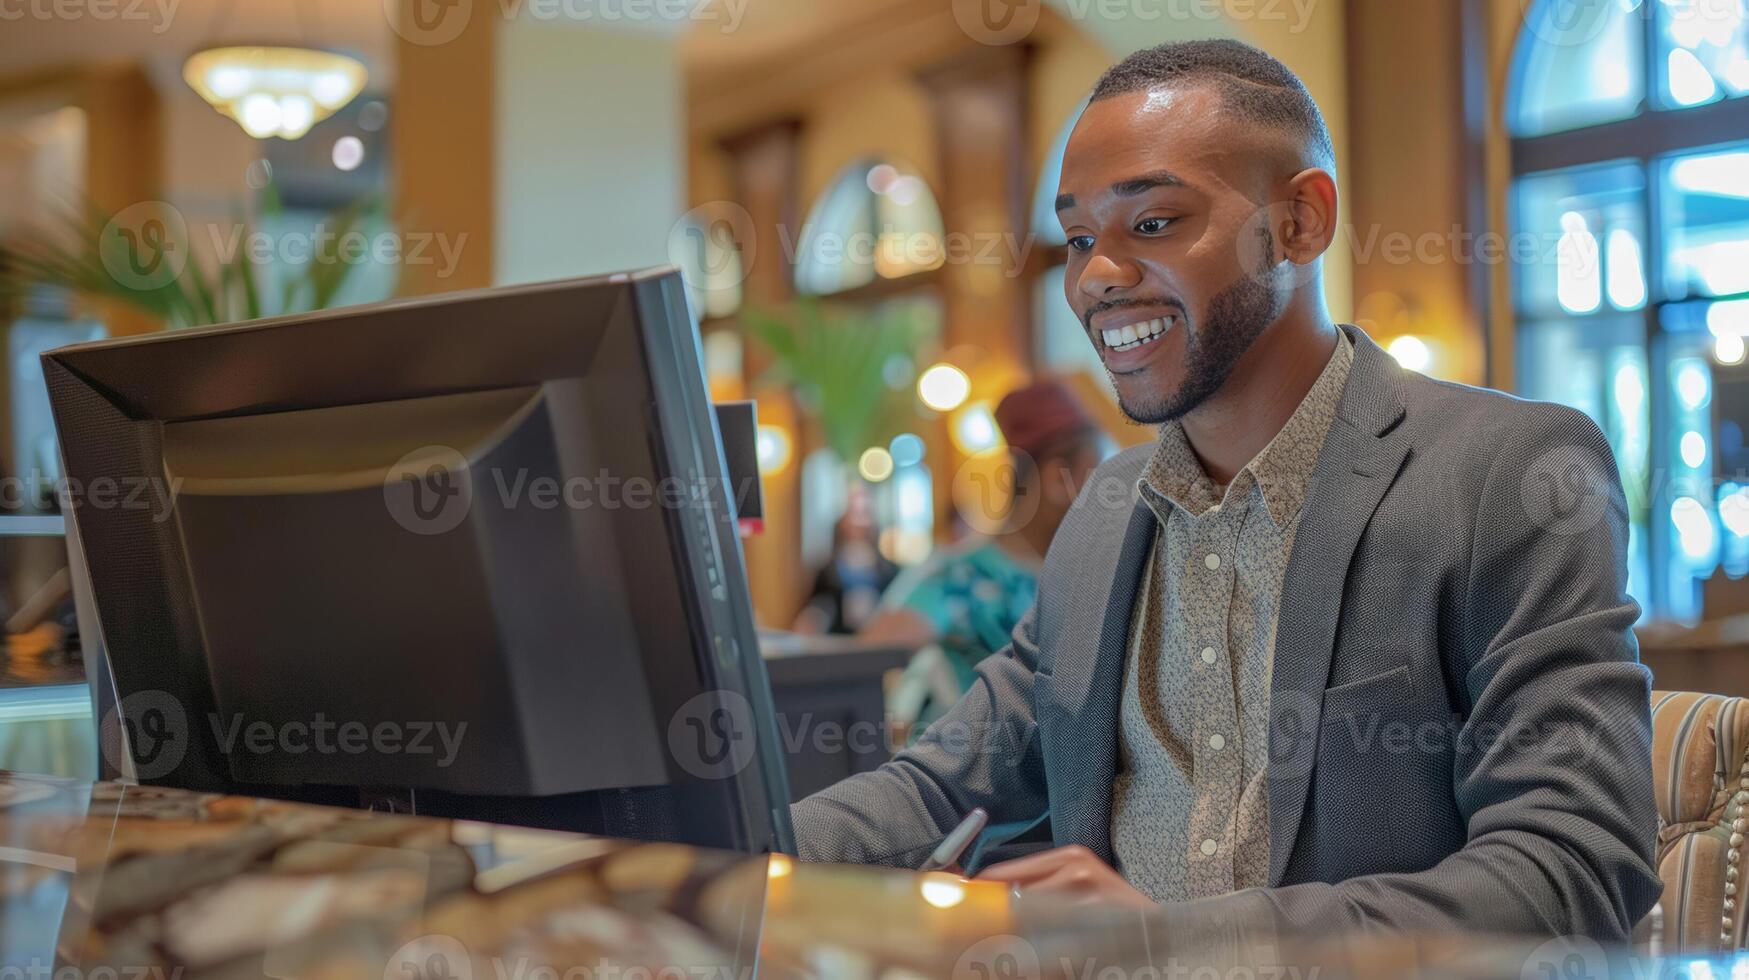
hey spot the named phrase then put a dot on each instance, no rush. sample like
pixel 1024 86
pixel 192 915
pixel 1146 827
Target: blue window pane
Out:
pixel 1599 366
pixel 1579 64
pixel 1706 221
pixel 1579 240
pixel 1703 51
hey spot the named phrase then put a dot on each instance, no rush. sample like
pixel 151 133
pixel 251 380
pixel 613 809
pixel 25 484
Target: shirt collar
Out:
pixel 1282 471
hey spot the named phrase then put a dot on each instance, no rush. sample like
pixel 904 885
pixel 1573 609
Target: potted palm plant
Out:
pixel 92 253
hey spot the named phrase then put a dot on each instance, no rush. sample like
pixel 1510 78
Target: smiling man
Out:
pixel 1347 647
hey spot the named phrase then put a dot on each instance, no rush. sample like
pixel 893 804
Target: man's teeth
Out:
pixel 1137 334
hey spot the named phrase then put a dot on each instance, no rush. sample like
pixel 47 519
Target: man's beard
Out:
pixel 1236 317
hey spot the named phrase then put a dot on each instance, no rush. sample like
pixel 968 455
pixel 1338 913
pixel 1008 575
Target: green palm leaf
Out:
pixel 70 255
pixel 834 359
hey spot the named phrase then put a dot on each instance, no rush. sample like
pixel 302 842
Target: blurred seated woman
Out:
pixel 960 605
pixel 847 590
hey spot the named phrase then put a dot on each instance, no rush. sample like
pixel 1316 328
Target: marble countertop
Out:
pixel 120 881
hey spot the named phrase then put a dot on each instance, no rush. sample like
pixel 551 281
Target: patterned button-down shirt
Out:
pixel 1190 808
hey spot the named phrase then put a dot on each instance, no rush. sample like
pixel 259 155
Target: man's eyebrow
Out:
pixel 1147 182
pixel 1132 187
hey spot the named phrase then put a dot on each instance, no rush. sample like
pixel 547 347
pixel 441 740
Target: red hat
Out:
pixel 1041 417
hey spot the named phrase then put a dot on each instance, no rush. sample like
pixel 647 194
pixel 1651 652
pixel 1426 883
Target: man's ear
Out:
pixel 1311 224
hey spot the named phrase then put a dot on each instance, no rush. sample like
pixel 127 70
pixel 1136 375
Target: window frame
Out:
pixel 1655 133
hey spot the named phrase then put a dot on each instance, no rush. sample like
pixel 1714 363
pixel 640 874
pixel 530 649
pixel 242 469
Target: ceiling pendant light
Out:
pixel 274 91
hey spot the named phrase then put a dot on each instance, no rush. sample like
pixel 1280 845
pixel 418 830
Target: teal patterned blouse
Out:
pixel 974 593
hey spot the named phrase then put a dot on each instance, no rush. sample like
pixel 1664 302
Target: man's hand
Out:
pixel 1073 871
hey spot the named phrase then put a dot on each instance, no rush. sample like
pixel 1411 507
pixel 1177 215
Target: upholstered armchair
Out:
pixel 1700 764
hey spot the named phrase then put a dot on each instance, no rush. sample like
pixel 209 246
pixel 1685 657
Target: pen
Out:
pixel 956 841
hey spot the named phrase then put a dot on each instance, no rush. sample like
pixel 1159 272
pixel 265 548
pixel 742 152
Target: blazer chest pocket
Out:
pixel 1377 767
pixel 1359 705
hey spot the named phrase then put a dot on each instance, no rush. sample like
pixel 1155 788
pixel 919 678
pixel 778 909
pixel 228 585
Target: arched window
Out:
pixel 878 219
pixel 1630 260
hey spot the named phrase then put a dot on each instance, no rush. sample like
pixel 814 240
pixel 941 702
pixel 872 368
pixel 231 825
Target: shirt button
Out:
pixel 1217 741
pixel 1213 561
pixel 1208 848
pixel 1208 655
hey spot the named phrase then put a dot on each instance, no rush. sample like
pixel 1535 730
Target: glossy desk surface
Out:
pixel 124 881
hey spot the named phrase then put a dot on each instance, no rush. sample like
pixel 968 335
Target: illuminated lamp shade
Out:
pixel 275 91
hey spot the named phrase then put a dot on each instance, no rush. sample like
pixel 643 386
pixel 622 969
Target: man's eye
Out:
pixel 1081 243
pixel 1152 226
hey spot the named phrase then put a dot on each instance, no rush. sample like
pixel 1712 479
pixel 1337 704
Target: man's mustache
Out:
pixel 1118 304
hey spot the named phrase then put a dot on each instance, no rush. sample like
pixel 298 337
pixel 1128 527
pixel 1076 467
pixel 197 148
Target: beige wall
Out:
pixel 1408 193
pixel 590 155
pixel 881 114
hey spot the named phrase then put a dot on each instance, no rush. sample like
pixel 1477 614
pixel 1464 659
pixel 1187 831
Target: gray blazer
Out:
pixel 1460 734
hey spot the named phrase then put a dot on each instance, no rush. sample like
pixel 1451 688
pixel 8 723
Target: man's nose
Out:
pixel 1103 275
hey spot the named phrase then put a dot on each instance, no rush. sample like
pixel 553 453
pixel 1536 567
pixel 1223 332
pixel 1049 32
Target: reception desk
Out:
pixel 124 881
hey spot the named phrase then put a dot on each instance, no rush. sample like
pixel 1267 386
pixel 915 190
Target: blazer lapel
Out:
pixel 1087 692
pixel 1359 461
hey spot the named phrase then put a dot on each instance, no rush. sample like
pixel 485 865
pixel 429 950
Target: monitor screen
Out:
pixel 475 551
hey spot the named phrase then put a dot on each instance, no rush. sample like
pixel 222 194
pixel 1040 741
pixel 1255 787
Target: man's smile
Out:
pixel 1131 335
pixel 1128 336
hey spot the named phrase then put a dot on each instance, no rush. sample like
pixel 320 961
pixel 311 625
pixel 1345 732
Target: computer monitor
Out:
pixel 471 555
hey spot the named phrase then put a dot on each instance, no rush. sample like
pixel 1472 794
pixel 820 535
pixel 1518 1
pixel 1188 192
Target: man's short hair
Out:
pixel 1255 84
